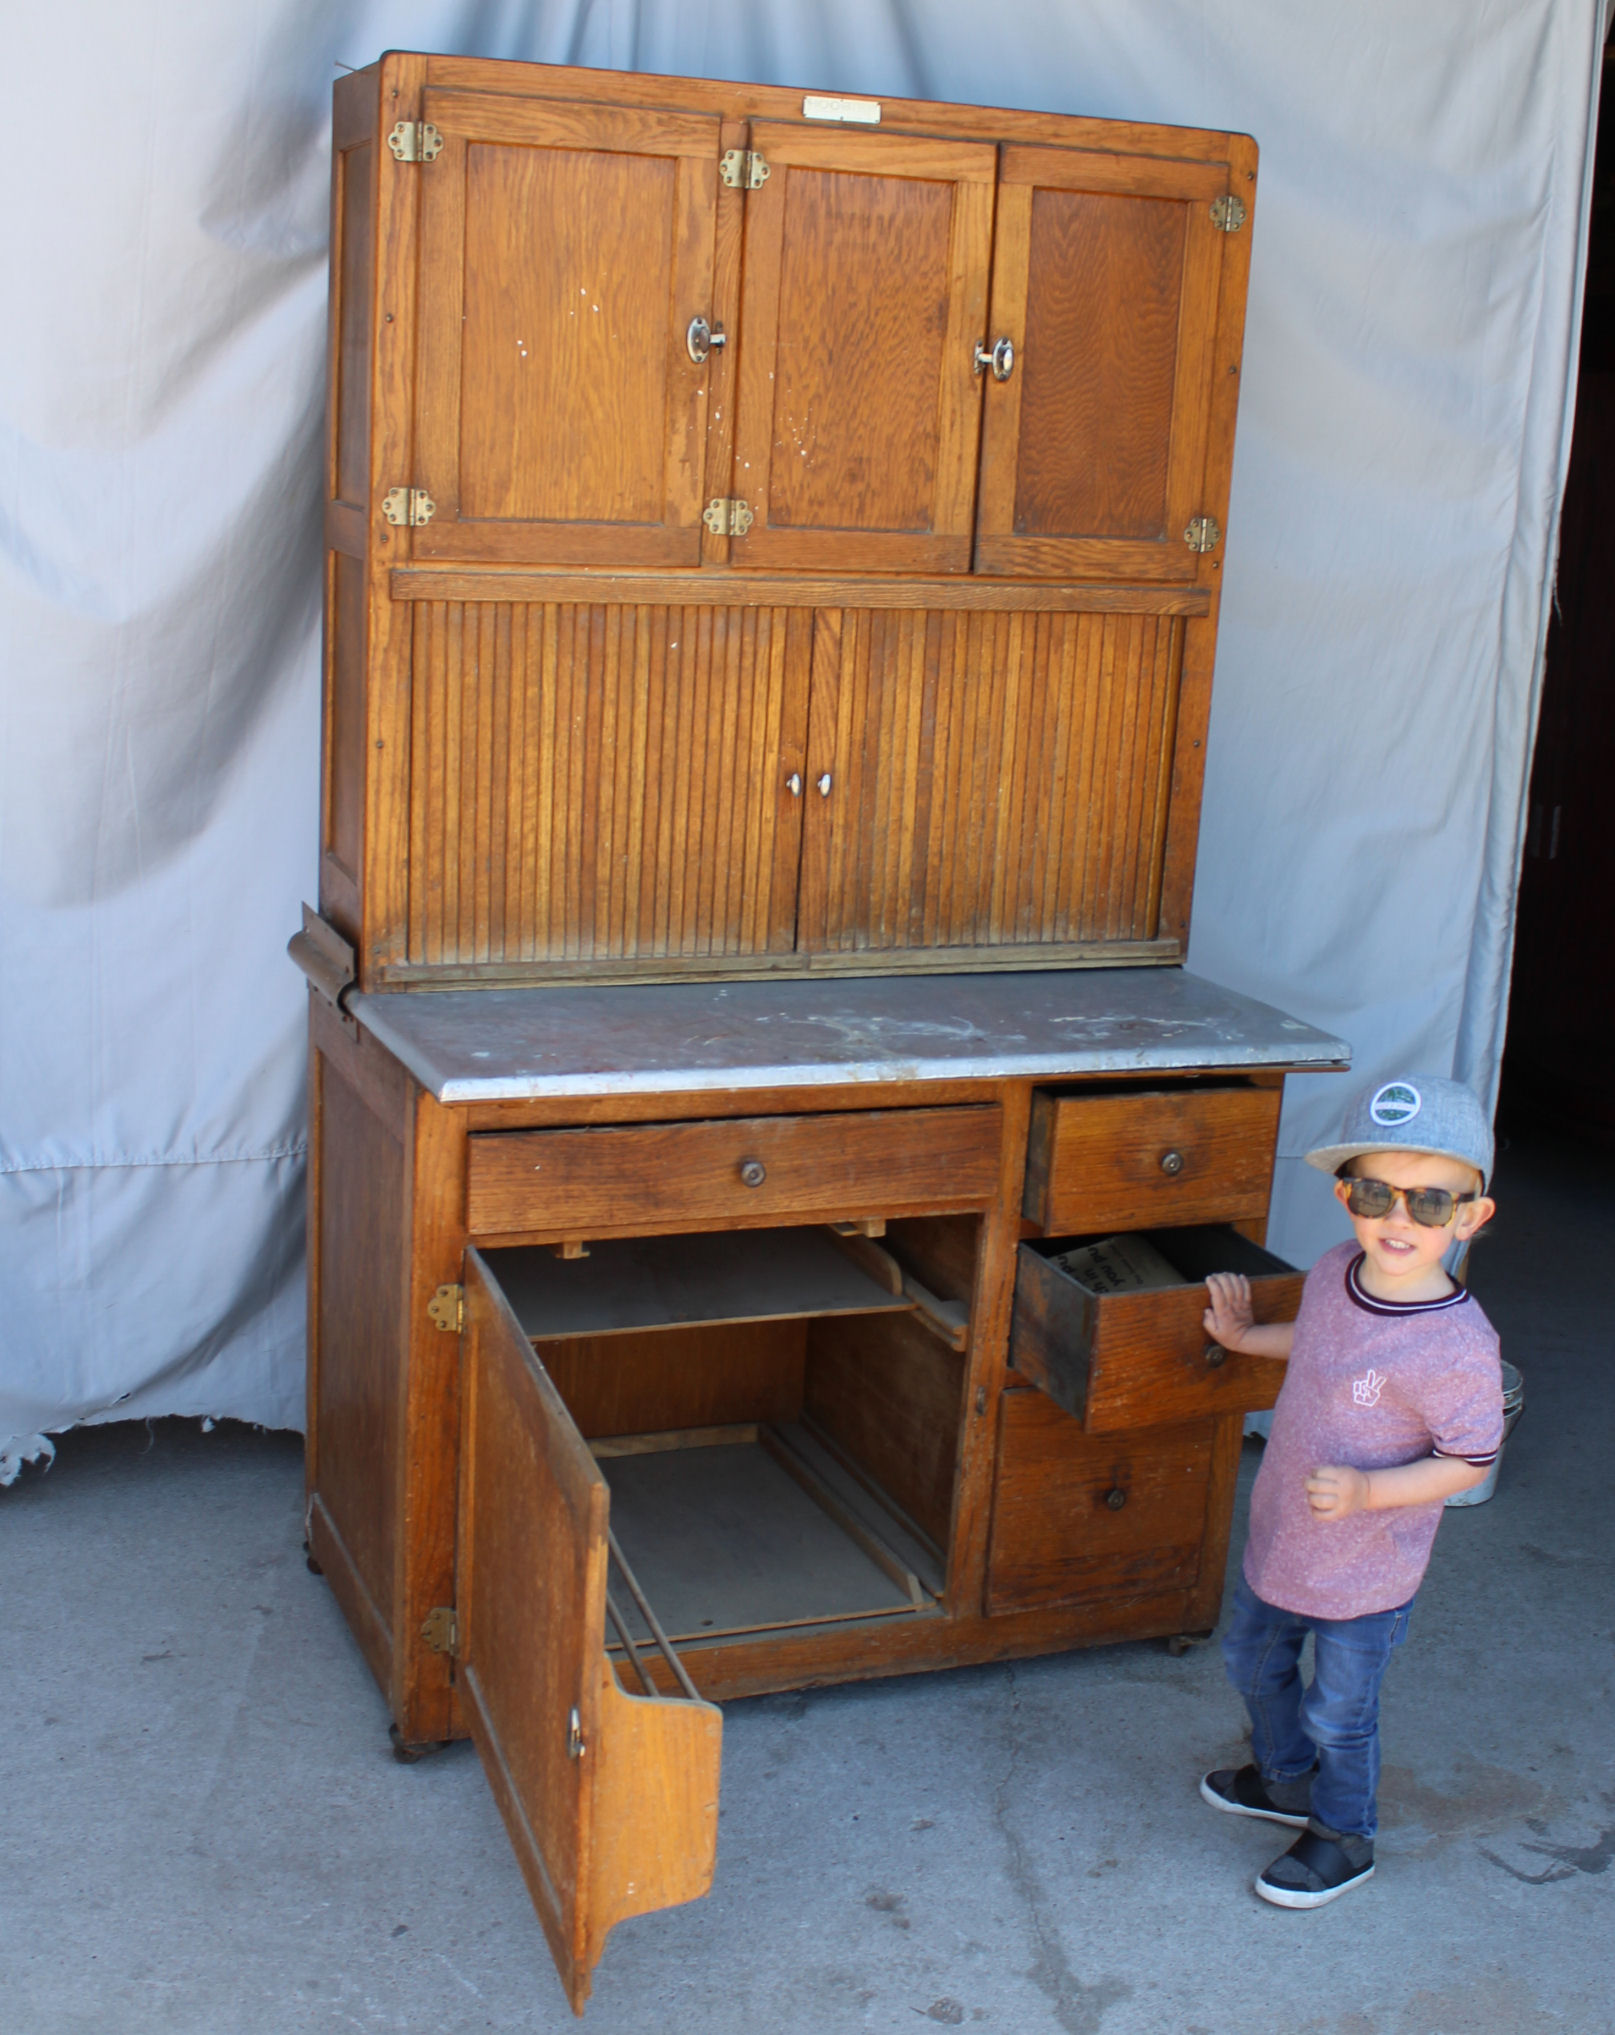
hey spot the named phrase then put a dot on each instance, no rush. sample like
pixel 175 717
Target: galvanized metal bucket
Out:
pixel 1513 1407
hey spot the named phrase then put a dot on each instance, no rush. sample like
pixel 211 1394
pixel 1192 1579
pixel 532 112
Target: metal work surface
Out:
pixel 489 1045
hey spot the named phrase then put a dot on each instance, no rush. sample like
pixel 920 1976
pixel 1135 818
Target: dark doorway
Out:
pixel 1559 1061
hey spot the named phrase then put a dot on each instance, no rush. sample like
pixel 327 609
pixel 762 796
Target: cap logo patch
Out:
pixel 1398 1102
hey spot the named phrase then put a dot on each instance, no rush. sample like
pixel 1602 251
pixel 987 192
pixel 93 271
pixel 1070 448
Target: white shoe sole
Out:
pixel 1297 1897
pixel 1209 1794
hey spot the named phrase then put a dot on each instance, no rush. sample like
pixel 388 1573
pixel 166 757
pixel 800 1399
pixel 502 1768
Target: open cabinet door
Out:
pixel 611 1800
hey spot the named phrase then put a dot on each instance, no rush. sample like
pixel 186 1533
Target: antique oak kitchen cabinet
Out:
pixel 773 559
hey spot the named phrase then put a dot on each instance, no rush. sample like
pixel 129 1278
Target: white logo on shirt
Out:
pixel 1365 1390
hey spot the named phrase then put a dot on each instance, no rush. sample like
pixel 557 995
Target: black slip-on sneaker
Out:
pixel 1317 1868
pixel 1242 1792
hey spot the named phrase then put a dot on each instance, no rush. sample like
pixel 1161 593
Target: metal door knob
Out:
pixel 1215 1354
pixel 1172 1163
pixel 824 785
pixel 793 784
pixel 753 1172
pixel 1116 1498
pixel 1001 360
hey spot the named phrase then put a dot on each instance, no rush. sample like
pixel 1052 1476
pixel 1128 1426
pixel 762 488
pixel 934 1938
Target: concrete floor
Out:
pixel 206 1832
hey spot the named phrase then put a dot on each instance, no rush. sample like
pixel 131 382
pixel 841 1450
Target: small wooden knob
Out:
pixel 1116 1498
pixel 1215 1354
pixel 753 1172
pixel 1172 1162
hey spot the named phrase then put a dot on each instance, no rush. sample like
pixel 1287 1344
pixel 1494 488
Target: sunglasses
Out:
pixel 1430 1207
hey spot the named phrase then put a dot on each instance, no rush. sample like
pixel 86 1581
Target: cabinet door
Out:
pixel 610 1800
pixel 988 782
pixel 1106 276
pixel 564 251
pixel 864 295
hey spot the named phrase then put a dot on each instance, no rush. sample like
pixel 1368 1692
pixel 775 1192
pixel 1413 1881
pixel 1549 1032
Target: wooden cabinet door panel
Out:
pixel 610 1800
pixel 987 782
pixel 1106 273
pixel 564 250
pixel 864 294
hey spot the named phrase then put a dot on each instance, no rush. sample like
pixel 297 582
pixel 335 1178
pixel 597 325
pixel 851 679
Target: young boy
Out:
pixel 1391 1402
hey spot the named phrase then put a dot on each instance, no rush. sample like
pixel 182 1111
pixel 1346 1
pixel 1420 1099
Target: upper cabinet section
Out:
pixel 865 287
pixel 1106 277
pixel 564 251
pixel 717 331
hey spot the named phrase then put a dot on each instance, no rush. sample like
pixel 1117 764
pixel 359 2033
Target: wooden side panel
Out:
pixel 994 780
pixel 1106 278
pixel 362 1215
pixel 714 1376
pixel 1077 1518
pixel 564 251
pixel 604 783
pixel 352 256
pixel 859 409
pixel 345 743
pixel 892 1394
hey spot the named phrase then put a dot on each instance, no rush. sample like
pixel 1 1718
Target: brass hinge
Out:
pixel 411 506
pixel 742 169
pixel 415 141
pixel 441 1629
pixel 447 1308
pixel 574 1735
pixel 1228 213
pixel 727 518
pixel 1203 534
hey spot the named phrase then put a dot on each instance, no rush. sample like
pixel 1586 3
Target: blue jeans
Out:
pixel 1333 1723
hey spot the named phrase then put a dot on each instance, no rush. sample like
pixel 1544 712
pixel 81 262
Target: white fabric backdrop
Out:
pixel 1402 445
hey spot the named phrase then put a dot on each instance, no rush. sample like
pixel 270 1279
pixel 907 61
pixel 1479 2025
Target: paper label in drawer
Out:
pixel 1125 1264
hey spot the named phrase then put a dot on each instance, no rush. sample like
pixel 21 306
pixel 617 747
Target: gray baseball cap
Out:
pixel 1413 1113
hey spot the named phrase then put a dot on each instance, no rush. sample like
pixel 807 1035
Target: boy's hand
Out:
pixel 1337 1491
pixel 1228 1320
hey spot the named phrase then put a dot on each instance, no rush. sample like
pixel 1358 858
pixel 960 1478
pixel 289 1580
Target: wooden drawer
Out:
pixel 1121 1360
pixel 1075 1518
pixel 641 1179
pixel 1131 1161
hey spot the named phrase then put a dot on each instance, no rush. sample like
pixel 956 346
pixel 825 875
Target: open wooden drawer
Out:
pixel 741 1509
pixel 1141 1359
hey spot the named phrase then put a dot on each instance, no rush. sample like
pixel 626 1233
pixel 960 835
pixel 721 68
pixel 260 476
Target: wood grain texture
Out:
pixel 680 1377
pixel 596 783
pixel 858 407
pixel 531 1608
pixel 1058 1534
pixel 738 588
pixel 995 780
pixel 352 256
pixel 564 251
pixel 1129 1360
pixel 345 744
pixel 890 1394
pixel 1106 276
pixel 358 1329
pixel 660 1178
pixel 1096 1161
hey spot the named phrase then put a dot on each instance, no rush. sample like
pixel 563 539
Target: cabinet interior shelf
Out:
pixel 629 1284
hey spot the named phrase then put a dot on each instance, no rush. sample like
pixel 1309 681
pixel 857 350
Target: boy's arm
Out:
pixel 1228 1320
pixel 1336 1491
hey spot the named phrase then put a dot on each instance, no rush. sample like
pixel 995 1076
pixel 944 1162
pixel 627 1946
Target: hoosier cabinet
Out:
pixel 773 553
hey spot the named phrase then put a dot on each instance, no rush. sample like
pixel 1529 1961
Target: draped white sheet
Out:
pixel 1403 436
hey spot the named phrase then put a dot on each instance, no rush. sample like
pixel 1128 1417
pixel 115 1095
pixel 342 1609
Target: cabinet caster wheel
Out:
pixel 406 1751
pixel 314 1568
pixel 1181 1642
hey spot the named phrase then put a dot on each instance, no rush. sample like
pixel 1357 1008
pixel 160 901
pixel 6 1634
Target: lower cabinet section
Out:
pixel 1077 1517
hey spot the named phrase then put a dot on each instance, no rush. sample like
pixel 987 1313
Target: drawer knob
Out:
pixel 1215 1354
pixel 753 1172
pixel 1172 1163
pixel 1116 1498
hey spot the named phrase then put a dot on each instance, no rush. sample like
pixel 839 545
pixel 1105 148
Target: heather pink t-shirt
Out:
pixel 1370 1383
